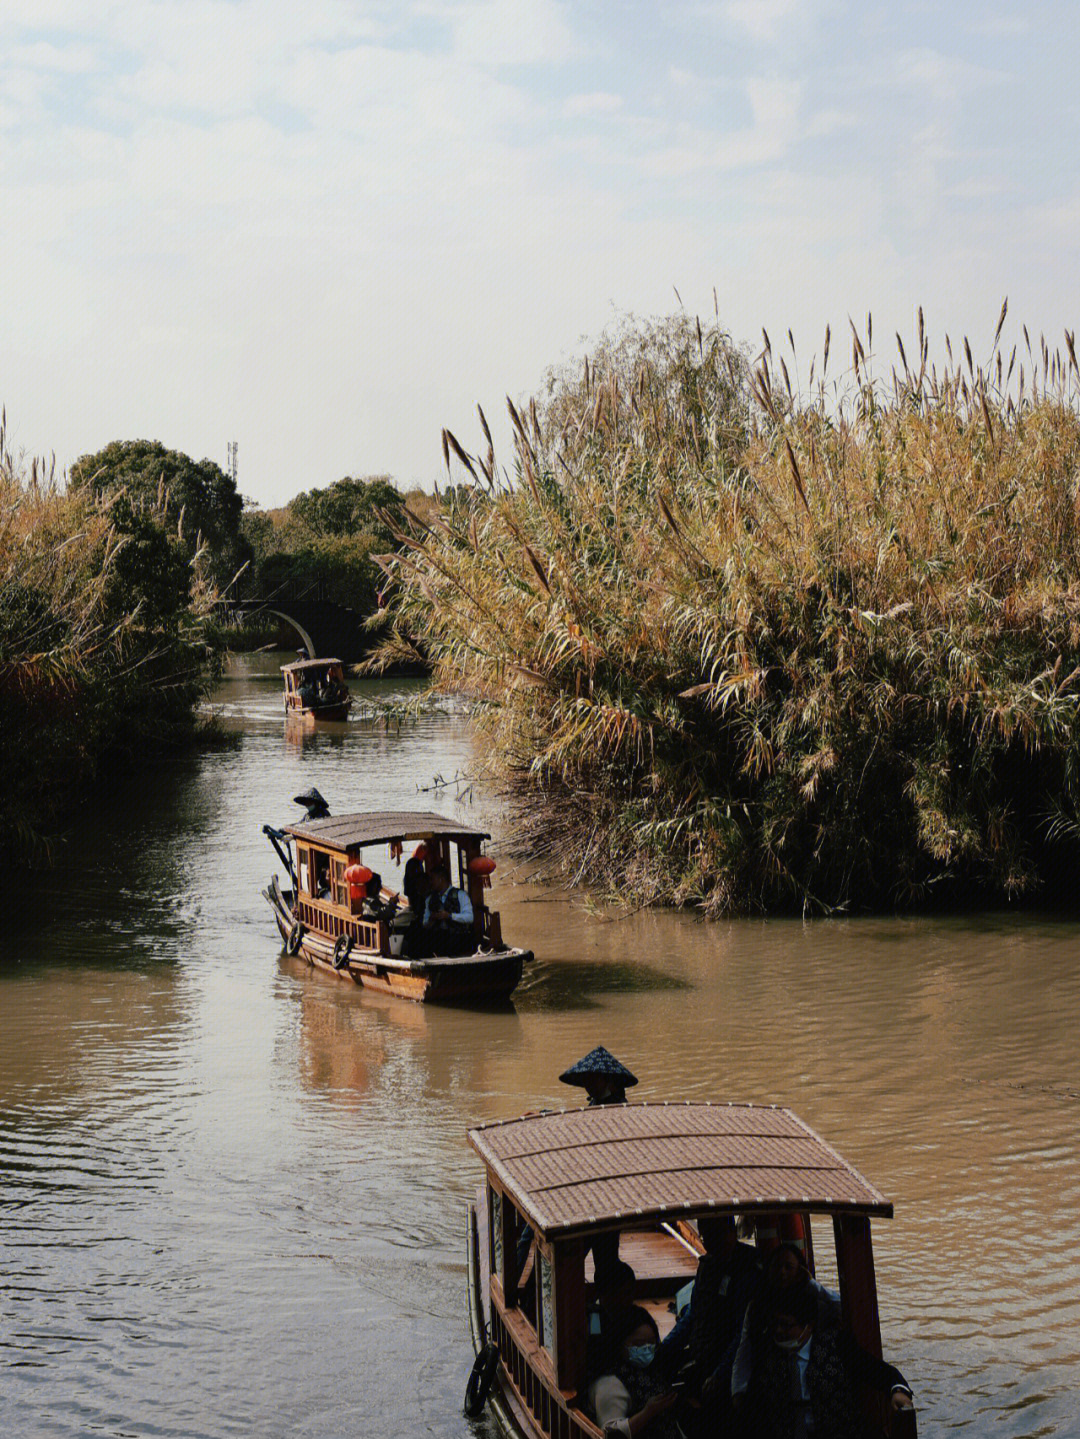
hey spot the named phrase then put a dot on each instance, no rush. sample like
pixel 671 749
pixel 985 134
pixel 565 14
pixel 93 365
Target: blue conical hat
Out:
pixel 598 1061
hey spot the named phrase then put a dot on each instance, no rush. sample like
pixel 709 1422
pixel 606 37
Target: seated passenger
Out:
pixel 805 1377
pixel 707 1332
pixel 448 920
pixel 374 905
pixel 649 1398
pixel 784 1270
pixel 309 695
pixel 614 1316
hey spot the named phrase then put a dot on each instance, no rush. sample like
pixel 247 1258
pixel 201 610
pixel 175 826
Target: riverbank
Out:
pixel 750 650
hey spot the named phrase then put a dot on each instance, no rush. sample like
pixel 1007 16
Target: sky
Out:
pixel 328 229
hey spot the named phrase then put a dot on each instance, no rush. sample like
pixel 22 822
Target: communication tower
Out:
pixel 230 463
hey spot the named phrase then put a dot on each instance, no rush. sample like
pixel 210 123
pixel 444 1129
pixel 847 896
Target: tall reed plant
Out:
pixel 748 646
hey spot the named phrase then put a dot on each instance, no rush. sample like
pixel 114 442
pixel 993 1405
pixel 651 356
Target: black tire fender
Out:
pixel 342 949
pixel 480 1380
pixel 294 938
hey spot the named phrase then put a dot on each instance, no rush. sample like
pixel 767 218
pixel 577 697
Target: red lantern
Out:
pixel 357 877
pixel 484 866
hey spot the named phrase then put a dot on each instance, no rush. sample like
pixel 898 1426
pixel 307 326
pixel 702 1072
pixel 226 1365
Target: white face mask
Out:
pixel 789 1345
pixel 640 1355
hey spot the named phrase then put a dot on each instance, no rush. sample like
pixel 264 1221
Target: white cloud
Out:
pixel 599 103
pixel 328 230
pixel 764 20
pixel 512 32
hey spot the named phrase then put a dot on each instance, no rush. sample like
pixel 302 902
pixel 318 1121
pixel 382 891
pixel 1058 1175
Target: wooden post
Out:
pixel 858 1287
pixel 509 1275
pixel 568 1349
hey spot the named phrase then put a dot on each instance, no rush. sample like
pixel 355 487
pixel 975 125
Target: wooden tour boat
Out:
pixel 327 914
pixel 645 1171
pixel 316 690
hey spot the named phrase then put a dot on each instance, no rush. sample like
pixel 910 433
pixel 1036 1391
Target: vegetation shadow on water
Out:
pixel 573 983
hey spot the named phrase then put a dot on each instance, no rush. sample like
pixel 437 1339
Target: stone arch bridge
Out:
pixel 322 626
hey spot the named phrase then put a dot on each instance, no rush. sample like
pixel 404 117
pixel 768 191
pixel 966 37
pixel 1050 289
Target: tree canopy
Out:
pixel 195 495
pixel 350 507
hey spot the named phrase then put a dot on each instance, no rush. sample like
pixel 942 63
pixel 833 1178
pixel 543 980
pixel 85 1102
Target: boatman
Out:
pixel 313 802
pixel 601 1076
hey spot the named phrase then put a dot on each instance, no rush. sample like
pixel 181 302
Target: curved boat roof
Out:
pixel 353 831
pixel 308 665
pixel 574 1170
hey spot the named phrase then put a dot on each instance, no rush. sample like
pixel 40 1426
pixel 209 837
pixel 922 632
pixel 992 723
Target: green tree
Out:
pixel 195 495
pixel 351 507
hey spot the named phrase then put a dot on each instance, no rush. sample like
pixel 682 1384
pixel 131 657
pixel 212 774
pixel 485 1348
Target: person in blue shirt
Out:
pixel 447 926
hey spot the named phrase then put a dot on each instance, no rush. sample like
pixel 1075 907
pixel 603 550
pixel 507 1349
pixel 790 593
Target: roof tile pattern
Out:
pixel 590 1168
pixel 349 831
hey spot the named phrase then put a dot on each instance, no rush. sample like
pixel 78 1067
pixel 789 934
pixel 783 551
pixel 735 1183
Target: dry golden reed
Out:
pixel 750 648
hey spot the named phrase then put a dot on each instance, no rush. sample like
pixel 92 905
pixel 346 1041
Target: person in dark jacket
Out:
pixel 806 1377
pixel 706 1334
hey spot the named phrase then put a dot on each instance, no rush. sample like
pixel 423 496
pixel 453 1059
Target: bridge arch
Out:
pixel 296 625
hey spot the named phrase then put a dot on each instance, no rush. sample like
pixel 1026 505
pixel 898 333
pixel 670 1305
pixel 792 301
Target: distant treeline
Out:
pixel 107 633
pixel 327 537
pixel 751 647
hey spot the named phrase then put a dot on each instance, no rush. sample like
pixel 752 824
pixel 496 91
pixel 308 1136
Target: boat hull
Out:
pixel 322 713
pixel 466 979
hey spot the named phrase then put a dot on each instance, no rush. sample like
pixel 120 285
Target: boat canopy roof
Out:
pixel 308 665
pixel 353 831
pixel 572 1171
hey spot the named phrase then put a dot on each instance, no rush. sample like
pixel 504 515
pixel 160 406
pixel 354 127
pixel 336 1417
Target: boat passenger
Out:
pixel 707 1332
pixel 309 695
pixel 375 907
pixel 649 1397
pixel 614 1316
pixel 448 920
pixel 416 883
pixel 805 1376
pixel 784 1270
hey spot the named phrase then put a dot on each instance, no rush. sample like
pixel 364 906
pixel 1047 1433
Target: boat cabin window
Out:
pixel 320 874
pixel 303 868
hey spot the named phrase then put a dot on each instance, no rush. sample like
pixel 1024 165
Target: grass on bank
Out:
pixel 755 647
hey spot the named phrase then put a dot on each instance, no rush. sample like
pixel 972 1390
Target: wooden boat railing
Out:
pixel 373 935
pixel 533 1380
pixel 325 918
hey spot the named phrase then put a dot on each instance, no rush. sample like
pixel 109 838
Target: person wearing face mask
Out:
pixel 611 1323
pixel 784 1269
pixel 649 1399
pixel 806 1377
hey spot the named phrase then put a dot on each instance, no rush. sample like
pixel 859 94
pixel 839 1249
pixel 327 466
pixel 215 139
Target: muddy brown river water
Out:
pixel 232 1188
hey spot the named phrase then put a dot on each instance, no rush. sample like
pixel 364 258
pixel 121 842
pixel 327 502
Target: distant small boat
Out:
pixel 316 690
pixel 331 918
pixel 643 1171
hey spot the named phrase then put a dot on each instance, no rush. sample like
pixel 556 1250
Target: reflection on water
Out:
pixel 232 1186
